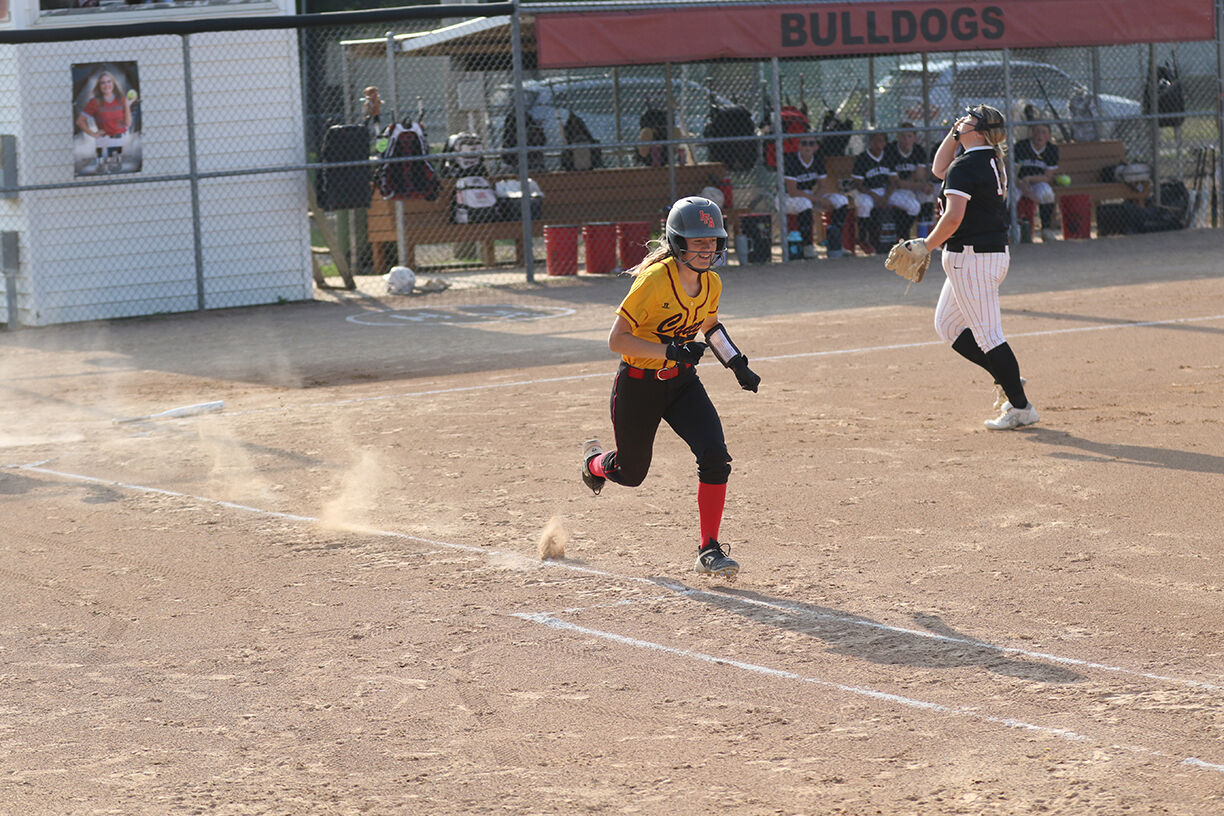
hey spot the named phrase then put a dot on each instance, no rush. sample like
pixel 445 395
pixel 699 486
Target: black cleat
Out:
pixel 590 450
pixel 711 560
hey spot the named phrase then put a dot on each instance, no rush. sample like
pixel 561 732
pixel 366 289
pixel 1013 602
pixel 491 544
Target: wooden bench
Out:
pixel 1084 162
pixel 594 196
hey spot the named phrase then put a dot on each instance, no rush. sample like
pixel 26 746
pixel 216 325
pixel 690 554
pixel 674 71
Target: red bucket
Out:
pixel 1076 215
pixel 600 243
pixel 561 249
pixel 631 238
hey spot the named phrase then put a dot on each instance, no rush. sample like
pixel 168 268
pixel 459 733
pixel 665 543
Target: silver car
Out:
pixel 953 85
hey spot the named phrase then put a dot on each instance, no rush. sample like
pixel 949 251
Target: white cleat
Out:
pixel 1013 417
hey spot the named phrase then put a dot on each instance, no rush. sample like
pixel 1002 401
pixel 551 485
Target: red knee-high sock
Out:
pixel 596 467
pixel 710 501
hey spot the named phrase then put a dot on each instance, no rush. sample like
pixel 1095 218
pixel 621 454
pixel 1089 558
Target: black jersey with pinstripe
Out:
pixel 976 175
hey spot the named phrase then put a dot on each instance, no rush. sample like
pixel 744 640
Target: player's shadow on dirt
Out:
pixel 16 484
pixel 935 646
pixel 1141 455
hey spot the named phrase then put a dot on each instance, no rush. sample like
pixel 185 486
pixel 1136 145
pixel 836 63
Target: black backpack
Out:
pixel 579 158
pixel 406 179
pixel 653 124
pixel 833 138
pixel 344 188
pixel 727 121
pixel 1170 98
pixel 535 138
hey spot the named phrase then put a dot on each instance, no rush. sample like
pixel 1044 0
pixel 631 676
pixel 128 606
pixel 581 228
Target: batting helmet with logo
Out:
pixel 694 217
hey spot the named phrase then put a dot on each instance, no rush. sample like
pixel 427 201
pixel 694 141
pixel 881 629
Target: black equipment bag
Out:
pixel 727 121
pixel 344 188
pixel 1170 98
pixel 536 137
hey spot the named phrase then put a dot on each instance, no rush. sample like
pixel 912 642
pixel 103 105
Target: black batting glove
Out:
pixel 689 352
pixel 748 379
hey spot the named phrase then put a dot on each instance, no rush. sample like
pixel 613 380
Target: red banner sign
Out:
pixel 695 33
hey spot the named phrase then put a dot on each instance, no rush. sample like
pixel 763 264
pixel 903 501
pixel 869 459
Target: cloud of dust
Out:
pixel 231 472
pixel 359 493
pixel 553 539
pixel 43 398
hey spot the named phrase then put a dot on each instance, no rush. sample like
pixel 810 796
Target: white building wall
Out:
pixel 98 252
pixel 12 213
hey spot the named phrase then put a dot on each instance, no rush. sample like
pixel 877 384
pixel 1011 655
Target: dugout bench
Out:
pixel 1084 162
pixel 605 195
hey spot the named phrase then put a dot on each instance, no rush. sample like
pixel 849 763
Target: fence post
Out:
pixel 1154 122
pixel 1215 202
pixel 401 238
pixel 8 165
pixel 9 260
pixel 670 99
pixel 193 171
pixel 520 128
pixel 926 98
pixel 1013 198
pixel 779 159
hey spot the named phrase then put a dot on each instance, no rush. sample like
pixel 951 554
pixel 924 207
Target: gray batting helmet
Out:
pixel 694 217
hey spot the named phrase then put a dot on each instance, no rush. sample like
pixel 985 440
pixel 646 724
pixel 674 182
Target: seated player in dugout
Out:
pixel 874 181
pixel 1036 161
pixel 913 193
pixel 808 189
pixel 675 293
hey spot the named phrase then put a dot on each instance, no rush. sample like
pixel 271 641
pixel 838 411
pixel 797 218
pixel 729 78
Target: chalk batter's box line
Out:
pixel 671 586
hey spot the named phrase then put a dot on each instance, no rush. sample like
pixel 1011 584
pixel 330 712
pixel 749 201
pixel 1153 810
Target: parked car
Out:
pixel 594 100
pixel 953 85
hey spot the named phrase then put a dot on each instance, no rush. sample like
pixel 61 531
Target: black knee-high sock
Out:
pixel 1047 215
pixel 804 223
pixel 1007 374
pixel 967 347
pixel 838 218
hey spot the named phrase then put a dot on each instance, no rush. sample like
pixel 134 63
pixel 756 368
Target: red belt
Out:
pixel 655 373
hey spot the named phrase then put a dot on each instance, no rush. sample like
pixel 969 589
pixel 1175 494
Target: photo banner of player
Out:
pixel 106 123
pixel 573 40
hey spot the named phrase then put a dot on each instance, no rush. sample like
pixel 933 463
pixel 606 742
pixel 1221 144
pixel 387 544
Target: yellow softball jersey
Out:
pixel 658 308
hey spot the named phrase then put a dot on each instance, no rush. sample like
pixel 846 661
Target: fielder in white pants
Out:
pixel 972 229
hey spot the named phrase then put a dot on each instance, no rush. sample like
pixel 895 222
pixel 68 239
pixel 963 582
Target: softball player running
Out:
pixel 674 295
pixel 973 232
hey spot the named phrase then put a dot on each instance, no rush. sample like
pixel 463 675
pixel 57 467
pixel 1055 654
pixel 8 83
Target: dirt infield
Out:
pixel 327 597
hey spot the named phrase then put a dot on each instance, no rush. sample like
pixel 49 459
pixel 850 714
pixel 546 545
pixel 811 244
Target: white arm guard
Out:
pixel 721 345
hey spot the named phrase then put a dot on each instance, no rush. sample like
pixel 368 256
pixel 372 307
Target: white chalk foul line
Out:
pixel 861 691
pixel 797 356
pixel 553 622
pixel 674 587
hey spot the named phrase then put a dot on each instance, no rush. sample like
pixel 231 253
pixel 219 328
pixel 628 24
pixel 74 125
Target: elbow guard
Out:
pixel 720 343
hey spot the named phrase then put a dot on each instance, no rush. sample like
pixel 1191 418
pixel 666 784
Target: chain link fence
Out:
pixel 322 150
